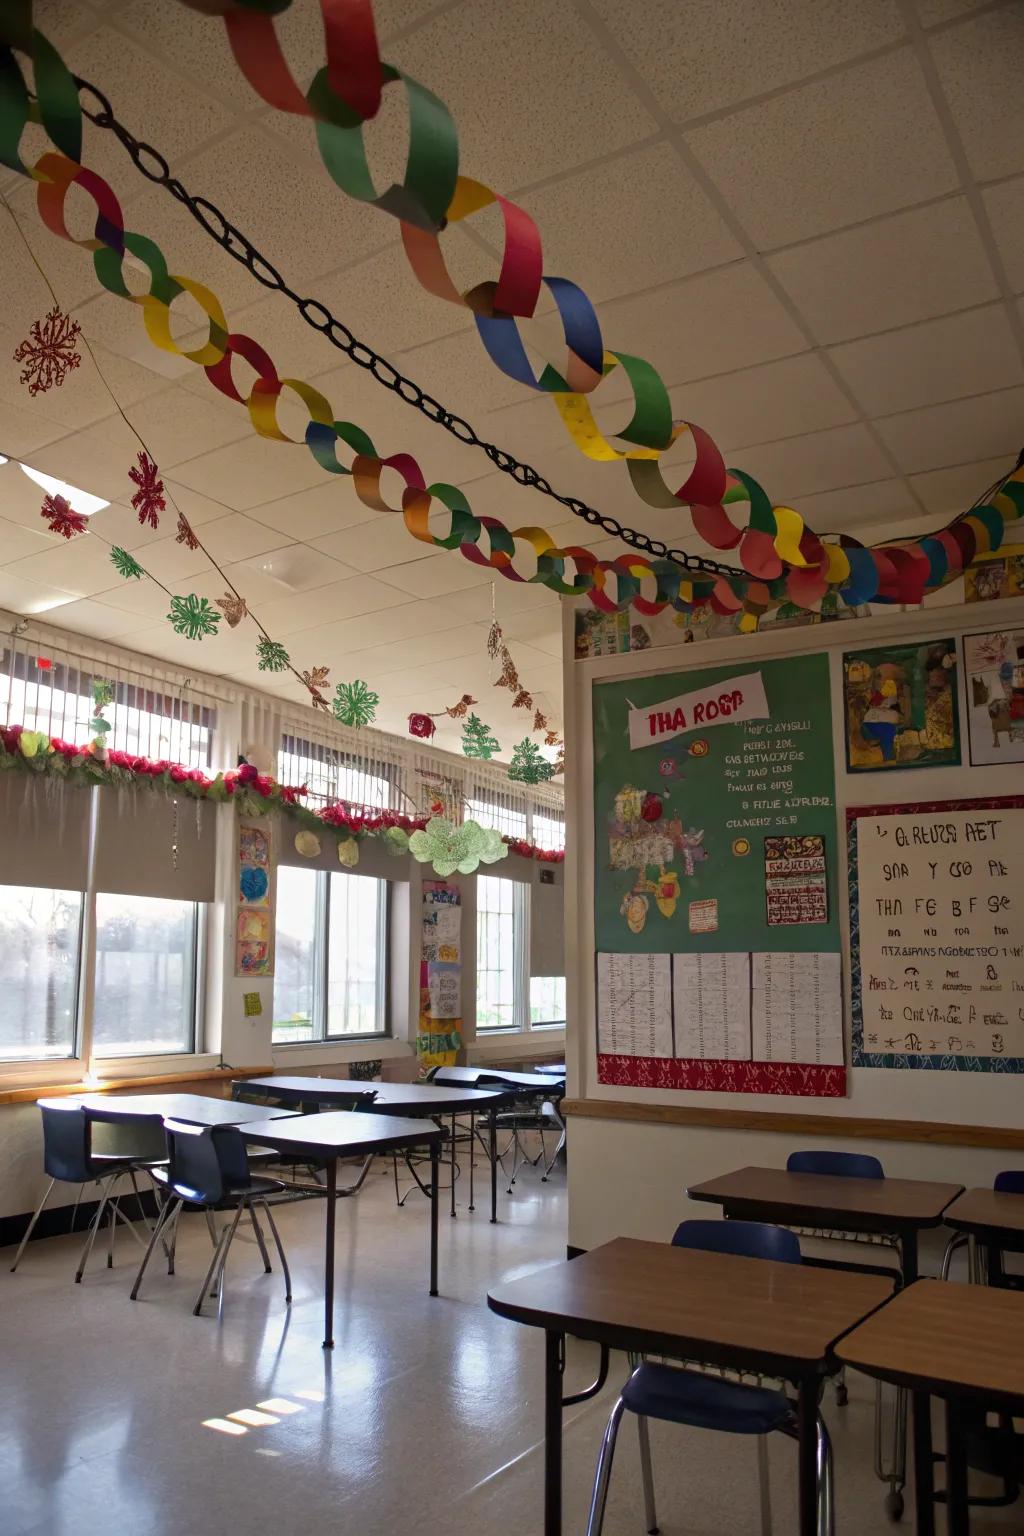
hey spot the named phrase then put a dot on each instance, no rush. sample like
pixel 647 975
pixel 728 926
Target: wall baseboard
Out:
pixel 56 1221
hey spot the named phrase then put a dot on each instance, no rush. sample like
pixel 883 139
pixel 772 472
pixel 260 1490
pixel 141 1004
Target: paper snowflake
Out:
pixel 528 766
pixel 233 608
pixel 185 534
pixel 148 500
pixel 272 656
pixel 355 703
pixel 124 564
pixel 49 352
pixel 449 848
pixel 193 617
pixel 477 740
pixel 62 517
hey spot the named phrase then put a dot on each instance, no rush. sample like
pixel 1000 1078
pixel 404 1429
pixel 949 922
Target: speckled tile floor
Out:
pixel 426 1418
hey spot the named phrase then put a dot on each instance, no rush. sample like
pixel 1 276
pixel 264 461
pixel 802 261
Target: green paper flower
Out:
pixel 354 703
pixel 272 656
pixel 193 617
pixel 529 765
pixel 124 564
pixel 454 849
pixel 477 740
pixel 396 840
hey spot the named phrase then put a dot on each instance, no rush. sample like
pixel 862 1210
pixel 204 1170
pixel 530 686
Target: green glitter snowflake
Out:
pixel 529 765
pixel 450 848
pixel 193 617
pixel 124 564
pixel 477 740
pixel 355 703
pixel 272 656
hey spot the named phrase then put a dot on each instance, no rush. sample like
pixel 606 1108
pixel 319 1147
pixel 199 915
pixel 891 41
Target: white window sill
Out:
pixel 542 1040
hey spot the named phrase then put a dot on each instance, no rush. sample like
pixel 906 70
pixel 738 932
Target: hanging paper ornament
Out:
pixel 528 766
pixel 422 726
pixel 494 640
pixel 148 500
pixel 307 844
pixel 185 535
pixel 651 807
pixel 124 564
pixel 552 739
pixel 477 740
pixel 456 711
pixel 509 676
pixel 522 700
pixel 49 352
pixel 315 680
pixel 348 853
pixel 62 517
pixel 233 608
pixel 540 720
pixel 193 617
pixel 355 704
pixel 271 656
pixel 452 849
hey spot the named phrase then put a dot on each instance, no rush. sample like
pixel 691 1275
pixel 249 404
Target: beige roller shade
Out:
pixel 374 858
pixel 547 922
pixel 136 830
pixel 44 832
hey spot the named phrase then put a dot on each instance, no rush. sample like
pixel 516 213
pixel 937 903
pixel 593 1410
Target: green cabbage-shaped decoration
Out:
pixel 454 849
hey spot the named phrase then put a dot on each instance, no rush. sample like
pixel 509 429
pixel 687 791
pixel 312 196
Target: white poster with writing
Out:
pixel 712 1006
pixel 726 703
pixel 797 1007
pixel 634 1005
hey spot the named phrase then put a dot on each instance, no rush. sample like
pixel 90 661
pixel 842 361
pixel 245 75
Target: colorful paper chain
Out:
pixel 894 573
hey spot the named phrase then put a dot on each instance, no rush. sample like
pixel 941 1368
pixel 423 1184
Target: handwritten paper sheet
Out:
pixel 712 1006
pixel 634 1005
pixel 797 1008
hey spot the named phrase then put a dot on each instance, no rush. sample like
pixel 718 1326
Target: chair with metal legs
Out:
pixel 68 1158
pixel 684 1396
pixel 208 1168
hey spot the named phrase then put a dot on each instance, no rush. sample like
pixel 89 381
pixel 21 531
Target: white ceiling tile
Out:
pixel 24 430
pixel 909 267
pixel 251 472
pixel 980 65
pixel 1005 207
pixel 24 596
pixel 776 400
pixel 88 617
pixel 142 598
pixel 959 432
pixel 170 562
pixel 325 508
pixel 934 12
pixel 531 64
pixel 509 597
pixel 383 304
pixel 821 461
pixel 327 605
pixel 237 537
pixel 375 546
pixel 948 491
pixel 965 354
pixel 845 510
pixel 709 54
pixel 197 509
pixel 830 154
pixel 289 568
pixel 80 565
pixel 178 425
pixel 344 637
pixel 198 45
pixel 97 459
pixel 434 646
pixel 460 374
pixel 18 539
pixel 438 575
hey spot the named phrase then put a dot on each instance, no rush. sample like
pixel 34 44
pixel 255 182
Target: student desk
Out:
pixel 191 1108
pixel 428 1099
pixel 963 1343
pixel 996 1220
pixel 311 1090
pixel 328 1137
pixel 778 1319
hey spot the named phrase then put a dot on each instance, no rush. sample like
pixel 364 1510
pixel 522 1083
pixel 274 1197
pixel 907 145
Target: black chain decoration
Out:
pixel 231 239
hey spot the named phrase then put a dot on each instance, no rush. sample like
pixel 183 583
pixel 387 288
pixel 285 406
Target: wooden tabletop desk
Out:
pixel 963 1343
pixel 434 1099
pixel 779 1319
pixel 328 1137
pixel 899 1207
pixel 995 1219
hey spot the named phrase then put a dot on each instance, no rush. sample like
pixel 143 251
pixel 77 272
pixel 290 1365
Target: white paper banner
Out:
pixel 724 703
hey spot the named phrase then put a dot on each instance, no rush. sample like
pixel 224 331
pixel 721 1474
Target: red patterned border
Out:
pixel 729 1076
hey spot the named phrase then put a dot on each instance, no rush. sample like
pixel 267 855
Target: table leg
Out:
pixel 492 1117
pixel 958 1519
pixel 807 1492
pixel 908 1252
pixel 554 1369
pixel 331 1172
pixel 453 1165
pixel 435 1159
pixel 924 1479
pixel 472 1158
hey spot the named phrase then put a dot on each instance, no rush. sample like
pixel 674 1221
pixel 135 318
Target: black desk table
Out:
pixel 192 1108
pixel 312 1090
pixel 416 1099
pixel 328 1137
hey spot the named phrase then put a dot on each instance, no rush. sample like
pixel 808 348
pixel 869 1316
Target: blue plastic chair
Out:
pixel 689 1397
pixel 840 1165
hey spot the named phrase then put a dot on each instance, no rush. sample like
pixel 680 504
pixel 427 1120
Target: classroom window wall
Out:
pixel 40 946
pixel 145 977
pixel 330 973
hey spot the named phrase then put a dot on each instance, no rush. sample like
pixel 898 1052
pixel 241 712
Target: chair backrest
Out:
pixel 205 1164
pixel 746 1239
pixel 66 1141
pixel 840 1165
pixel 1009 1182
pixel 140 1136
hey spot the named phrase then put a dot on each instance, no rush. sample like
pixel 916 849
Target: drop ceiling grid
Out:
pixel 860 351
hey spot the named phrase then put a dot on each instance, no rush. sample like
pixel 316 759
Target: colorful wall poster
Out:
pixel 439 1038
pixel 900 707
pixel 994 684
pixel 715 847
pixel 994 576
pixel 254 927
pixel 937 966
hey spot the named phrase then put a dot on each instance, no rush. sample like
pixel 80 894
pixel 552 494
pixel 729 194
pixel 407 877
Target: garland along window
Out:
pixel 330 975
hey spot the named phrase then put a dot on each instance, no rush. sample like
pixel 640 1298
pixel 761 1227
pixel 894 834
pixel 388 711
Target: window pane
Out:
pixel 145 975
pixel 547 999
pixel 355 942
pixel 295 960
pixel 495 953
pixel 39 932
pixel 548 829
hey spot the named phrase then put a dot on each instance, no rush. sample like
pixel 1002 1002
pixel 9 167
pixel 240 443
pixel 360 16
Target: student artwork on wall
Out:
pixel 937 969
pixel 439 1039
pixel 994 684
pixel 900 707
pixel 254 937
pixel 718 943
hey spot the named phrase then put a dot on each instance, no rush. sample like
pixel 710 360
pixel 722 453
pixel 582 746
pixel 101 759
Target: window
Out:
pixel 40 936
pixel 145 989
pixel 330 976
pixel 507 996
pixel 547 1000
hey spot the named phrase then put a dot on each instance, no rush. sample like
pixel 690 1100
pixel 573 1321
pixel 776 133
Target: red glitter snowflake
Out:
pixel 49 352
pixel 185 534
pixel 148 500
pixel 62 517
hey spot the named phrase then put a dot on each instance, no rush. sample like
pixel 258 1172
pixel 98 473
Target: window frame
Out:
pixel 522 917
pixel 321 967
pixel 196 991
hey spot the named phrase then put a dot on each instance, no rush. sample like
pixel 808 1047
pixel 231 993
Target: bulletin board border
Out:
pixel 806 1080
pixel 906 1061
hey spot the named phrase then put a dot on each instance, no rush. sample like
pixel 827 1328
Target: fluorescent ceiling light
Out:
pixel 80 501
